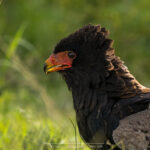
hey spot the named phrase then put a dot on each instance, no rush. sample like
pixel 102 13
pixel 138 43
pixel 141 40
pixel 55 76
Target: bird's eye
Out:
pixel 71 55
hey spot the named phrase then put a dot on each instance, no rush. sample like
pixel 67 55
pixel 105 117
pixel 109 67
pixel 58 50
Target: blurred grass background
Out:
pixel 35 109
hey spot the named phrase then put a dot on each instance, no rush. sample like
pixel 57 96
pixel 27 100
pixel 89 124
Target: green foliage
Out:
pixel 34 108
pixel 23 129
pixel 15 42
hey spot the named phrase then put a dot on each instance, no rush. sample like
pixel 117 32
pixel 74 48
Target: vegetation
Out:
pixel 35 109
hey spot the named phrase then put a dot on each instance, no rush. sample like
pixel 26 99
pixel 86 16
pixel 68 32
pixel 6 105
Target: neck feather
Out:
pixel 94 88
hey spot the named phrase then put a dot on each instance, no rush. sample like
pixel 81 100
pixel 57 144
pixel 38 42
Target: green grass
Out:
pixel 26 130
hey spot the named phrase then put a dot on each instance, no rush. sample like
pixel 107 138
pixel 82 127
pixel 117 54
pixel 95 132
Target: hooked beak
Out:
pixel 50 67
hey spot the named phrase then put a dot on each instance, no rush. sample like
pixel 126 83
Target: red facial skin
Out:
pixel 59 61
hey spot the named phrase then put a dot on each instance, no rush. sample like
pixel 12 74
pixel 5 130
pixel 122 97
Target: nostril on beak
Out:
pixel 45 66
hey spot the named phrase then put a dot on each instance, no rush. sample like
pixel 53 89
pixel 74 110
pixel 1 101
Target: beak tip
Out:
pixel 45 68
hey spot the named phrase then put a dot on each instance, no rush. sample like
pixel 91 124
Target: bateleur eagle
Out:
pixel 111 105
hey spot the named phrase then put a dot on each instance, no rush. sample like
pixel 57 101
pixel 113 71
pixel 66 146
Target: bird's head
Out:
pixel 85 49
pixel 86 59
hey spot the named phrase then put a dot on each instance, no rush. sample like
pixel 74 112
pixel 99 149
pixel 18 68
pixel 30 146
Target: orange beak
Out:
pixel 50 67
pixel 57 62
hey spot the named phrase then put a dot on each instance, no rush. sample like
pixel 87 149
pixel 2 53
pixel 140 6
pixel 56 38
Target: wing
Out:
pixel 133 132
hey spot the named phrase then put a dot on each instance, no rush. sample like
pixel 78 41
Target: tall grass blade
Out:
pixel 15 42
pixel 1 2
pixel 75 130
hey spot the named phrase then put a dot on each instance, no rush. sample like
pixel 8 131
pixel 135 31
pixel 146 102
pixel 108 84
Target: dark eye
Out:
pixel 71 54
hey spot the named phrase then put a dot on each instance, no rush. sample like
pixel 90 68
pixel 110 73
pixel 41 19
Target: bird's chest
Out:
pixel 91 128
